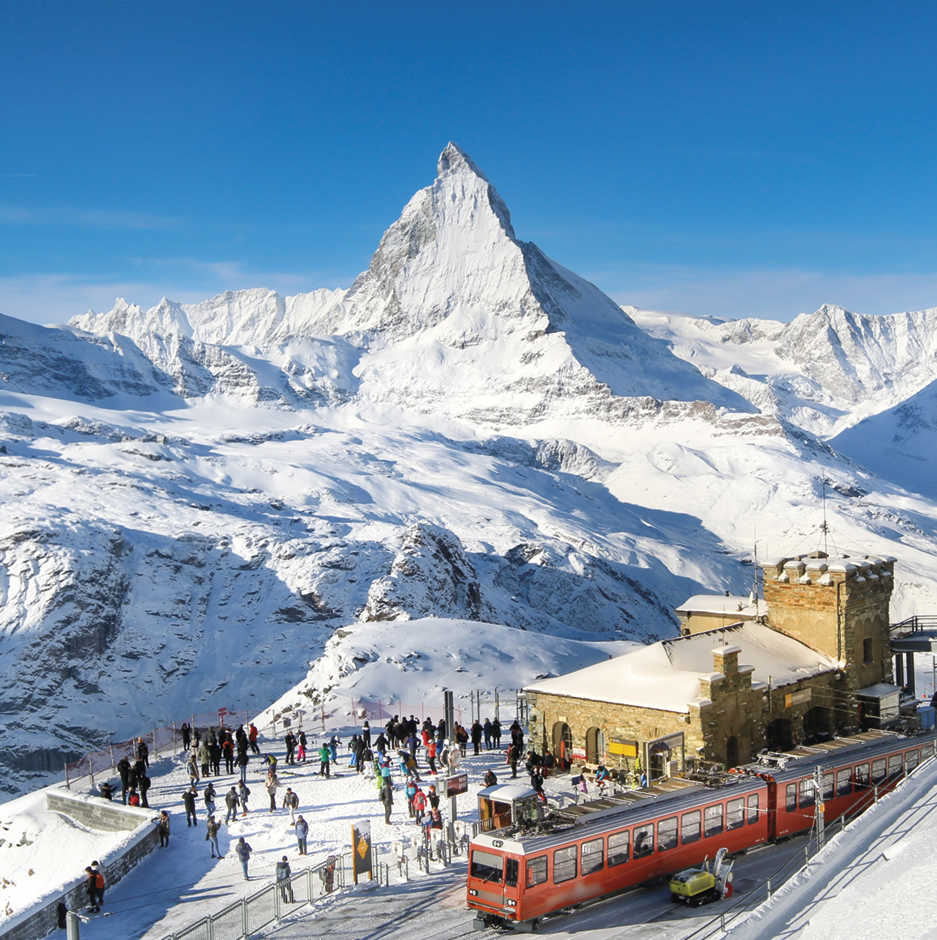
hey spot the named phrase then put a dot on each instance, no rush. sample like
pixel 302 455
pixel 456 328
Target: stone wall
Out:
pixel 96 813
pixel 41 919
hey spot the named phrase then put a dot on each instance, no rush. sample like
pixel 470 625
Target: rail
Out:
pixel 763 891
pixel 919 623
pixel 246 916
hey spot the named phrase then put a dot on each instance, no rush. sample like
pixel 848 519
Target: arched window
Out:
pixel 595 746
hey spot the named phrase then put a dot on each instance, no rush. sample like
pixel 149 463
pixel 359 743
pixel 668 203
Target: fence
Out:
pixel 165 738
pixel 244 917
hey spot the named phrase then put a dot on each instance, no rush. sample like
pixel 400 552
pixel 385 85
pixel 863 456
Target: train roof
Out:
pixel 804 758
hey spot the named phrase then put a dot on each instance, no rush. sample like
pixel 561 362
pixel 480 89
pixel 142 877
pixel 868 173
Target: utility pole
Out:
pixel 819 805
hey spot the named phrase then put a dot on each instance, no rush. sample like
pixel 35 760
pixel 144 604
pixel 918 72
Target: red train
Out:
pixel 518 874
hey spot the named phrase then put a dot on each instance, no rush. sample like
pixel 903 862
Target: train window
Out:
pixel 808 793
pixel 844 782
pixel 536 871
pixel 593 856
pixel 486 866
pixel 791 797
pixel 619 848
pixel 564 864
pixel 690 827
pixel 894 765
pixel 862 776
pixel 735 813
pixel 712 820
pixel 911 759
pixel 511 868
pixel 752 809
pixel 643 841
pixel 667 834
pixel 828 786
pixel 878 770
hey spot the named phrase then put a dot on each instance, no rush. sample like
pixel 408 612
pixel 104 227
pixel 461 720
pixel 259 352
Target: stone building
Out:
pixel 810 660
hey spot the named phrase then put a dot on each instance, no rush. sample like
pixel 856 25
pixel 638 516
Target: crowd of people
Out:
pixel 416 752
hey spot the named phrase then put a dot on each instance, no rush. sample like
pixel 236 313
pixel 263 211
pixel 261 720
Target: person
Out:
pixel 290 742
pixel 123 768
pixel 411 793
pixel 211 836
pixel 227 749
pixel 252 734
pixel 380 743
pixel 186 736
pixel 283 880
pixel 243 851
pixel 214 750
pixel 432 797
pixel 536 781
pixel 204 758
pixel 512 760
pixel 324 757
pixel 602 778
pixel 387 798
pixel 188 800
pixel 143 782
pixel 107 791
pixel 366 734
pixel 94 881
pixel 548 763
pixel 302 830
pixel 163 825
pixel 231 801
pixel 192 768
pixel 496 734
pixel 291 802
pixel 243 793
pixel 272 783
pixel 462 737
pixel 143 752
pixel 419 805
pixel 486 729
pixel 434 820
pixel 301 750
pixel 133 798
pixel 209 797
pixel 490 778
pixel 242 761
pixel 431 757
pixel 333 748
pixel 270 762
pixel 476 737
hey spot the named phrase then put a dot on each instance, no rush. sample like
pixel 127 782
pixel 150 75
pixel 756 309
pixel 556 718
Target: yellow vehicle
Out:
pixel 711 882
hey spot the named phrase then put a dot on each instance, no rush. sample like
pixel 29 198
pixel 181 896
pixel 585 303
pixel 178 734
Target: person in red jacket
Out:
pixel 252 738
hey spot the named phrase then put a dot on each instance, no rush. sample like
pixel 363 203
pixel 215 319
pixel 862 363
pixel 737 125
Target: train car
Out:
pixel 852 771
pixel 518 875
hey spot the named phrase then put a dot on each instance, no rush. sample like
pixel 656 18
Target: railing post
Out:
pixel 67 784
pixel 276 902
pixel 244 931
pixel 211 927
pixel 308 885
pixel 768 883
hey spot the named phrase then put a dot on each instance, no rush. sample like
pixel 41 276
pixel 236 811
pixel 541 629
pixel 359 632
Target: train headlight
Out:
pixel 512 903
pixel 473 892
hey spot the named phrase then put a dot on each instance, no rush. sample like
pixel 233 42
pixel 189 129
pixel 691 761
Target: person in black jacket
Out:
pixel 123 768
pixel 188 800
pixel 143 784
pixel 186 735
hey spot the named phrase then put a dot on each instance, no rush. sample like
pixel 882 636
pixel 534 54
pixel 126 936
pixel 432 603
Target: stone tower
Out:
pixel 838 606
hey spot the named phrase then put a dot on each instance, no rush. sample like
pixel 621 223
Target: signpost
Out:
pixel 221 713
pixel 361 848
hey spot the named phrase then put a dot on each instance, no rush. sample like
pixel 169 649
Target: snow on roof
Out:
pixel 667 675
pixel 507 792
pixel 728 604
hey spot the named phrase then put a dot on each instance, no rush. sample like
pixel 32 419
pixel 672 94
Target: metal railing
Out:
pixel 916 624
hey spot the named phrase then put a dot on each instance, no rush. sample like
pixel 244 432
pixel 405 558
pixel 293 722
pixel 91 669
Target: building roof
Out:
pixel 728 604
pixel 667 675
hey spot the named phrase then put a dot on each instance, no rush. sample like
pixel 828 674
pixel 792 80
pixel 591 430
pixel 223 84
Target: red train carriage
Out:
pixel 522 878
pixel 521 875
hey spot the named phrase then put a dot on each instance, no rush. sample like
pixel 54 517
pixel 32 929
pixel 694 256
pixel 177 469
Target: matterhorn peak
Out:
pixel 455 160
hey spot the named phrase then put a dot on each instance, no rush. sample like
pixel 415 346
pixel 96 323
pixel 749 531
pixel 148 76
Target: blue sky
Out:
pixel 729 159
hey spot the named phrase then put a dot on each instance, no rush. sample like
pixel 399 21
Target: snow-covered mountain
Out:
pixel 196 496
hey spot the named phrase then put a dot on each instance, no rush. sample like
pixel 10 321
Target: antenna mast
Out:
pixel 824 527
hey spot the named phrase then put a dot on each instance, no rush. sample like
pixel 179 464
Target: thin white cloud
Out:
pixel 768 294
pixel 72 217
